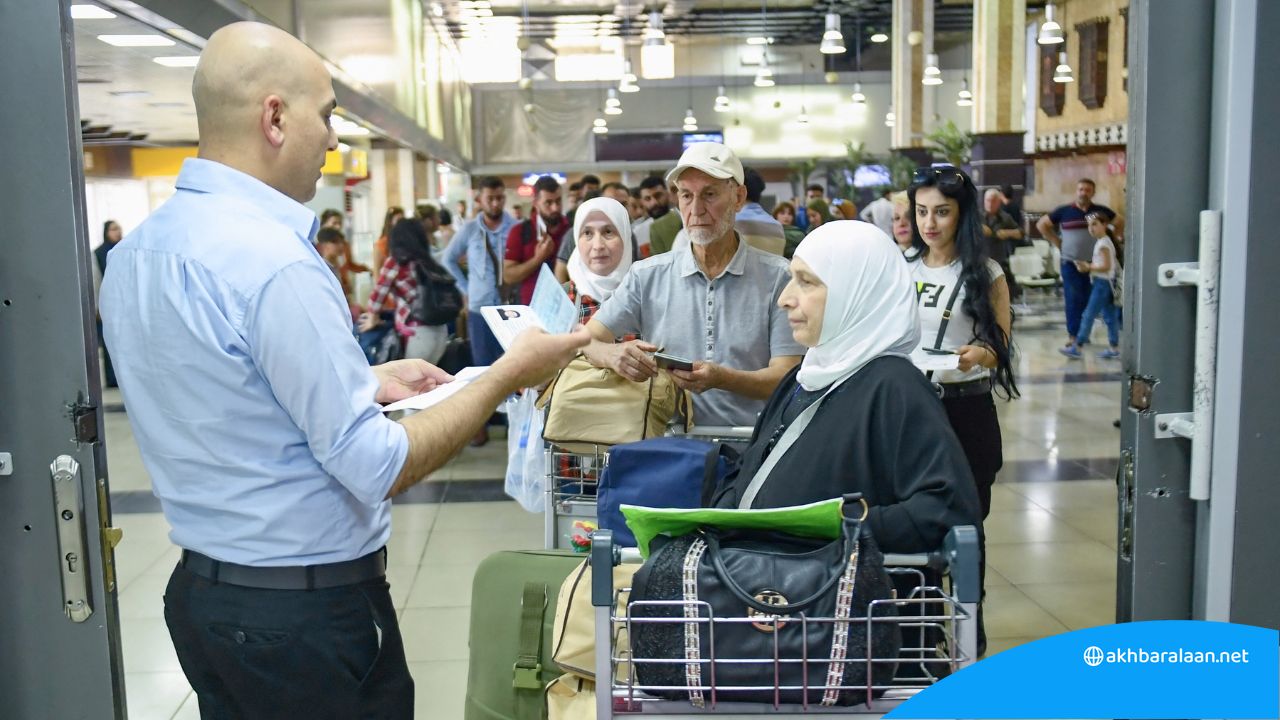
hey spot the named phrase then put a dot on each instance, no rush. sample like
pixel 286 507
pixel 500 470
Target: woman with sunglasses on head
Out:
pixel 964 309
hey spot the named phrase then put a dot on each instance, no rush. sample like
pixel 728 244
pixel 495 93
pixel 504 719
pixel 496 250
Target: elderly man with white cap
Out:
pixel 711 301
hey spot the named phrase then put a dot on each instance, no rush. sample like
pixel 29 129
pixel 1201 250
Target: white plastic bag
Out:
pixel 526 480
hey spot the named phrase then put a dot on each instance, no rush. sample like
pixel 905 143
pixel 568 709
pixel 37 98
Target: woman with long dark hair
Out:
pixel 111 234
pixel 964 309
pixel 409 254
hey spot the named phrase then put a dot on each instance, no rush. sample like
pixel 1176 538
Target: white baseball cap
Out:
pixel 714 159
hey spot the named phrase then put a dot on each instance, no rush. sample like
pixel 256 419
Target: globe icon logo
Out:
pixel 1093 656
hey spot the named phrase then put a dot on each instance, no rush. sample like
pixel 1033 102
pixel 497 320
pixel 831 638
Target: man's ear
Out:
pixel 742 196
pixel 273 120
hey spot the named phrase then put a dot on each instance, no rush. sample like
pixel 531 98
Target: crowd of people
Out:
pixel 802 322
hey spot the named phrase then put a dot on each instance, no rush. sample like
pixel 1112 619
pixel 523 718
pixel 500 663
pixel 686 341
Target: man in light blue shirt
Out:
pixel 483 241
pixel 758 228
pixel 256 414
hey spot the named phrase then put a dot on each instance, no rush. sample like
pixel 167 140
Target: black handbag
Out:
pixel 797 599
pixel 439 300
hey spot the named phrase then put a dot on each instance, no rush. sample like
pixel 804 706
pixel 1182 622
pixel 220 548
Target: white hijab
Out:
pixel 871 301
pixel 600 287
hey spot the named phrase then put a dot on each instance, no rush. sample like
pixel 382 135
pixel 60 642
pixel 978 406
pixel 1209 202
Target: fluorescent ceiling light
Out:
pixel 177 60
pixel 1062 73
pixel 658 62
pixel 136 40
pixel 1050 30
pixel 832 39
pixel 879 37
pixel 90 12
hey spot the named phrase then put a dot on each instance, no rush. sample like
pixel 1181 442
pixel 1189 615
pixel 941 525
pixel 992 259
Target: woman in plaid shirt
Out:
pixel 409 248
pixel 602 253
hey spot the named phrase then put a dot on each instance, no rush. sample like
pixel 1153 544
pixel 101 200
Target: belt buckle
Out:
pixel 527 678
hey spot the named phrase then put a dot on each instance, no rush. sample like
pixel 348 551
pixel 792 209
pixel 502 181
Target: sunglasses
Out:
pixel 945 178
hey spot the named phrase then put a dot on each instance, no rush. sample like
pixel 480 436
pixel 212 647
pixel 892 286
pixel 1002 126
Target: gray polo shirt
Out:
pixel 732 320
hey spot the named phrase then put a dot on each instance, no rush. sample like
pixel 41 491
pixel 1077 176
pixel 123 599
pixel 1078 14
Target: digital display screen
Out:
pixel 691 138
pixel 870 176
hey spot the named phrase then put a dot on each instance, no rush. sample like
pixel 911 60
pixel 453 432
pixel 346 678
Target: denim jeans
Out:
pixel 1075 296
pixel 1100 302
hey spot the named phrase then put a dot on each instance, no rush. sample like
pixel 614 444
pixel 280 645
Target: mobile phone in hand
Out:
pixel 671 362
pixel 938 351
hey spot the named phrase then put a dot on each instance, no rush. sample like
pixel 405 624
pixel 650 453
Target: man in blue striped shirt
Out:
pixel 256 414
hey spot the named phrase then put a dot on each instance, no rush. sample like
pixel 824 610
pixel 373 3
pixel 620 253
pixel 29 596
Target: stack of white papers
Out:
pixel 440 394
pixel 925 362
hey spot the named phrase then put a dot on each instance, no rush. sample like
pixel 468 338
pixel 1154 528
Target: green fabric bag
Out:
pixel 820 520
pixel 513 609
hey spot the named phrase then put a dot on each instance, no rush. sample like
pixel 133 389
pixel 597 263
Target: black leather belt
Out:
pixel 307 577
pixel 950 391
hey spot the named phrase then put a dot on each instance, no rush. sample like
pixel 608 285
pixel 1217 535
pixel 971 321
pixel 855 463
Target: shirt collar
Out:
pixel 687 265
pixel 215 178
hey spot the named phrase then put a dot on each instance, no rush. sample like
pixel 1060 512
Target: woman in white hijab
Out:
pixel 602 253
pixel 856 415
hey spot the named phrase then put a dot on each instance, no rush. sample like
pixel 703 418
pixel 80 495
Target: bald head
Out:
pixel 263 101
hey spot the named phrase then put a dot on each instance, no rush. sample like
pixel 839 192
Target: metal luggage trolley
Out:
pixel 938 627
pixel 573 476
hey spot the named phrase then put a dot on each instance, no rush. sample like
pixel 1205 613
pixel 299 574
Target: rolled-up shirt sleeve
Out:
pixel 300 338
pixel 621 312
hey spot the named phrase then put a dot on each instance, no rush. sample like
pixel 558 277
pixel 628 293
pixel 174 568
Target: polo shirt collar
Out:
pixel 687 265
pixel 215 178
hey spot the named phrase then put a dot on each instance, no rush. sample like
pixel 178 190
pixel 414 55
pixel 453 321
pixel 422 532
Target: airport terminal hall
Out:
pixel 577 359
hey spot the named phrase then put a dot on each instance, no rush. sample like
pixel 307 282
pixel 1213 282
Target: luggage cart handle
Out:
pixel 961 548
pixel 603 558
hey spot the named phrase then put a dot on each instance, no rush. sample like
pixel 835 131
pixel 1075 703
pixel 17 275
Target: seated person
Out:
pixel 879 428
pixel 711 300
pixel 601 255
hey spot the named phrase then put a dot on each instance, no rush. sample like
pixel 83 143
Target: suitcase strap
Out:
pixel 528 668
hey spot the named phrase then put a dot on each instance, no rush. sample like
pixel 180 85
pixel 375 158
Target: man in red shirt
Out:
pixel 527 248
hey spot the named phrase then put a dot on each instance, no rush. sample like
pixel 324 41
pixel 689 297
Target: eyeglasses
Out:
pixel 946 178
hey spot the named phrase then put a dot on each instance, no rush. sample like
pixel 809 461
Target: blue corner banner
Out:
pixel 1156 669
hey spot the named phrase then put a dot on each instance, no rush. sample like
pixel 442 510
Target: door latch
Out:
pixel 71 539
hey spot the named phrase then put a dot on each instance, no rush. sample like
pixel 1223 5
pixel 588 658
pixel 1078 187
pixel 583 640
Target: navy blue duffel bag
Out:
pixel 665 472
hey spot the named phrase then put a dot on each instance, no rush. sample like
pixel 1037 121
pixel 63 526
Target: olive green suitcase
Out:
pixel 513 609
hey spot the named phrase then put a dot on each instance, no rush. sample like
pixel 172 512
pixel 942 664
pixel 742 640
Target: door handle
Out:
pixel 71 539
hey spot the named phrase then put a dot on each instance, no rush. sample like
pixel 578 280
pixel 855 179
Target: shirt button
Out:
pixel 240 638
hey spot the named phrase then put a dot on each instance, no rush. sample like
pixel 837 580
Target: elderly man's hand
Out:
pixel 633 360
pixel 402 379
pixel 704 376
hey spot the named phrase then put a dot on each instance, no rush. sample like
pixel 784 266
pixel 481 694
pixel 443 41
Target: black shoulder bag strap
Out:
pixel 946 318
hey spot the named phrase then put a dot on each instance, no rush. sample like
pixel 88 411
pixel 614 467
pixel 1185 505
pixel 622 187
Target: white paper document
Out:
pixel 550 310
pixel 440 394
pixel 925 362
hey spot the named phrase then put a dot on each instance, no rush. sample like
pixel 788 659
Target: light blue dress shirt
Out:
pixel 252 405
pixel 478 279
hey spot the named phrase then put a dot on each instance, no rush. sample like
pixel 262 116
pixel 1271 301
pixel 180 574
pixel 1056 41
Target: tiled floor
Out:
pixel 1051 534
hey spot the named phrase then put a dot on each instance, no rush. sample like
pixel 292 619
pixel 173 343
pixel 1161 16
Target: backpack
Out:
pixel 439 301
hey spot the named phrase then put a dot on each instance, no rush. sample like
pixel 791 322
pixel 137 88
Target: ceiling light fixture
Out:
pixel 857 97
pixel 177 61
pixel 832 39
pixel 1050 30
pixel 932 75
pixel 758 40
pixel 1062 73
pixel 879 37
pixel 90 12
pixel 613 101
pixel 722 100
pixel 964 98
pixel 136 40
pixel 890 118
pixel 803 118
